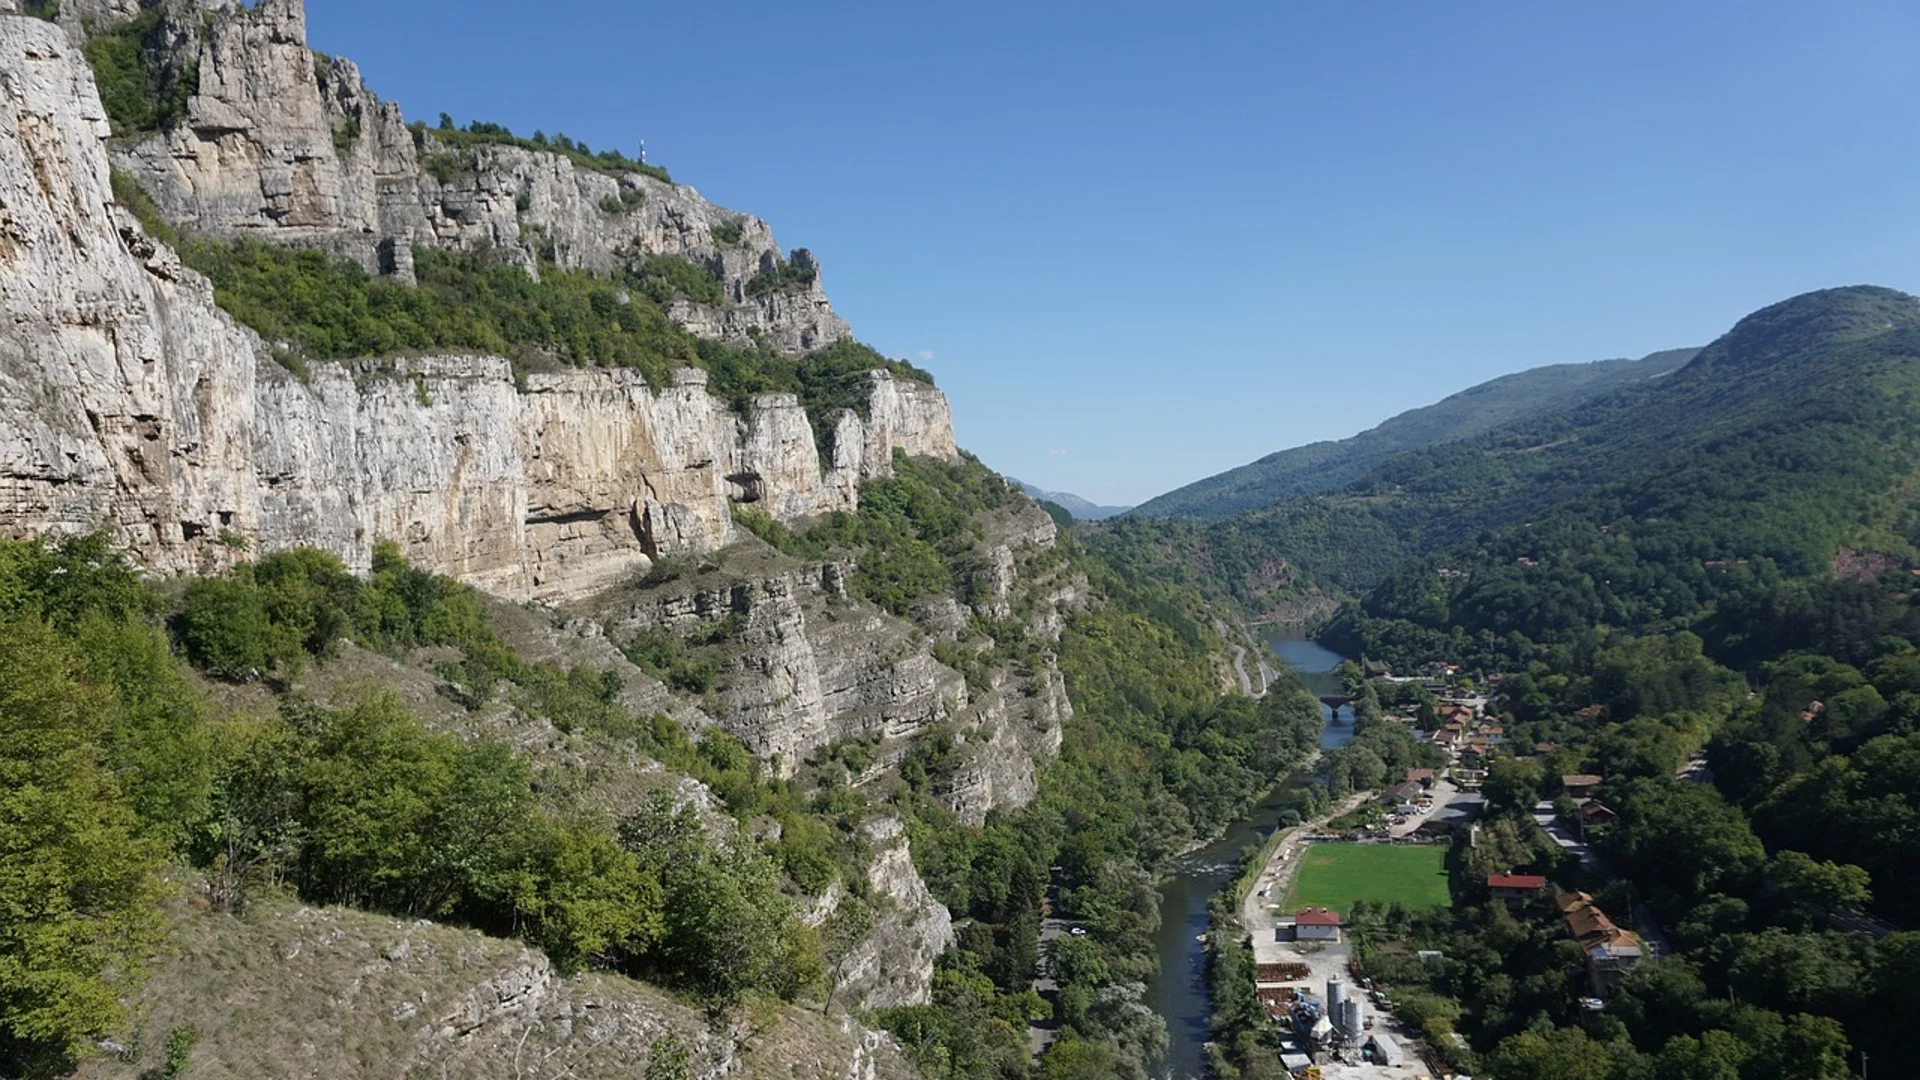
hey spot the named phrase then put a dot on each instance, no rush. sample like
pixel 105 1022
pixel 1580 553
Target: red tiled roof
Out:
pixel 1581 780
pixel 1516 881
pixel 1317 916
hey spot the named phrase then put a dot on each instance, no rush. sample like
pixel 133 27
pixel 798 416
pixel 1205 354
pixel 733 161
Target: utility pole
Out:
pixel 1863 1065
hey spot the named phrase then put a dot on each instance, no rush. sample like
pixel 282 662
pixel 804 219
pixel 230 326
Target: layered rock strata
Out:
pixel 288 145
pixel 129 401
pixel 806 665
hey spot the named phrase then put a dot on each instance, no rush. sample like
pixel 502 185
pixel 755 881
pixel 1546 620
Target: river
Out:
pixel 1179 993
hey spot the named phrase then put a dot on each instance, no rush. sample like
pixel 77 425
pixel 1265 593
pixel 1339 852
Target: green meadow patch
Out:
pixel 1335 875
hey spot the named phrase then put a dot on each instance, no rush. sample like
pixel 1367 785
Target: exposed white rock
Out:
pixel 287 146
pixel 129 401
pixel 894 964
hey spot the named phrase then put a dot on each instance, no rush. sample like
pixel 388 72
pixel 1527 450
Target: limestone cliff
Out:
pixel 128 400
pixel 805 665
pixel 282 143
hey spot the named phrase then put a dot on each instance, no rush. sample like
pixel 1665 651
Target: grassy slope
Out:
pixel 1327 466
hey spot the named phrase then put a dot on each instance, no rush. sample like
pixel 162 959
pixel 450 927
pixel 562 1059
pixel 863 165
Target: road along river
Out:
pixel 1179 993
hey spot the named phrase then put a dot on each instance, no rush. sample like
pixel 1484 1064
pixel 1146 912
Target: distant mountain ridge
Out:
pixel 1784 445
pixel 1081 509
pixel 1784 452
pixel 1328 466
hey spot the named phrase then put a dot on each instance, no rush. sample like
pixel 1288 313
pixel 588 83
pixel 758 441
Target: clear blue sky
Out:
pixel 1142 243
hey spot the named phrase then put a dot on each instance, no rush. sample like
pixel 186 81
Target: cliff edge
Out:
pixel 130 401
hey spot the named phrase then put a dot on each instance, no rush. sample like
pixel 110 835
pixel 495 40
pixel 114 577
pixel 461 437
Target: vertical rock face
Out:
pixel 129 401
pixel 894 964
pixel 805 665
pixel 288 145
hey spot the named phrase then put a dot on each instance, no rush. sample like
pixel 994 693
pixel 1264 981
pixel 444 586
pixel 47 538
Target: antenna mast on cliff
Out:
pixel 643 151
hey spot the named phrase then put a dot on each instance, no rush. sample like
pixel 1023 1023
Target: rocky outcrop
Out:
pixel 1003 740
pixel 129 401
pixel 802 665
pixel 324 993
pixel 290 146
pixel 806 666
pixel 893 964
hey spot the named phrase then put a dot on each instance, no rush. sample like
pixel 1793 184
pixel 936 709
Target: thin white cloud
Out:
pixel 926 356
pixel 1058 451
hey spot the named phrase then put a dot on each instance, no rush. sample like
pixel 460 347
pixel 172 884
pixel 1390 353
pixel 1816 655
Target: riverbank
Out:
pixel 1271 881
pixel 1179 994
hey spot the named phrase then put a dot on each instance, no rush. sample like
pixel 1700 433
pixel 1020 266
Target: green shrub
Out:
pixel 447 166
pixel 727 233
pixel 346 135
pixel 141 89
pixel 224 628
pixel 786 275
pixel 626 200
pixel 664 278
pixel 180 1044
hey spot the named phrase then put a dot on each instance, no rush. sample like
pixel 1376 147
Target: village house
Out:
pixel 1316 924
pixel 1402 794
pixel 1423 777
pixel 1581 785
pixel 1611 952
pixel 1595 813
pixel 1516 886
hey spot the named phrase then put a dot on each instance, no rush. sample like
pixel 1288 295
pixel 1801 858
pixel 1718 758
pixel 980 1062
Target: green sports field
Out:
pixel 1335 875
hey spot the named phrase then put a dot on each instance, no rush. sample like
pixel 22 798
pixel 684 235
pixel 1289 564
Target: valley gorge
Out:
pixel 471 605
pixel 850 715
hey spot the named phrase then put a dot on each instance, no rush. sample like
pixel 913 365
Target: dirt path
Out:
pixel 1256 914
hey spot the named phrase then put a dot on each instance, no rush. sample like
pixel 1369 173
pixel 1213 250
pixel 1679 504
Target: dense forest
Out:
pixel 1778 444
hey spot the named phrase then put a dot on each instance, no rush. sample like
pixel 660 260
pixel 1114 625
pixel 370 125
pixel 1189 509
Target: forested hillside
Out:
pixel 1328 466
pixel 1777 444
pixel 1784 452
pixel 185 761
pixel 1718 568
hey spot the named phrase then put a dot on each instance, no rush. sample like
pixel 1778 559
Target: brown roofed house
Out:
pixel 1581 785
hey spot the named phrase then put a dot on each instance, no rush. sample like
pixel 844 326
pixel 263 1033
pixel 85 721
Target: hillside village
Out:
pixel 1333 1011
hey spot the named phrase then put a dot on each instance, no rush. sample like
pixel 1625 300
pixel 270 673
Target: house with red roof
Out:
pixel 1516 886
pixel 1316 924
